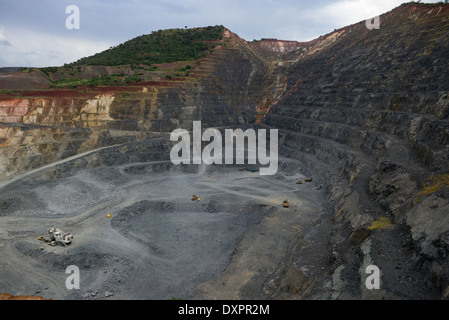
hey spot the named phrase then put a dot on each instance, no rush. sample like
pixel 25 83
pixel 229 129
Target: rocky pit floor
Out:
pixel 157 244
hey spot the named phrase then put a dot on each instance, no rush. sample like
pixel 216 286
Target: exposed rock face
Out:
pixel 366 111
pixel 38 127
pixel 277 46
pixel 368 114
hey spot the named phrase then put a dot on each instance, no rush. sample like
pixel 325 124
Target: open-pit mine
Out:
pixel 362 180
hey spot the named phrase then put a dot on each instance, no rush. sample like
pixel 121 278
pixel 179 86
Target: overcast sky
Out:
pixel 34 33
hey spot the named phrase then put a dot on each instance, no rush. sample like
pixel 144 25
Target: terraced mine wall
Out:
pixel 368 115
pixel 39 127
pixel 365 112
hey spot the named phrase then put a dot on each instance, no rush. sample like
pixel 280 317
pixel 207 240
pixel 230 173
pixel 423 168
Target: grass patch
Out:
pixel 434 184
pixel 9 91
pixel 380 224
pixel 97 81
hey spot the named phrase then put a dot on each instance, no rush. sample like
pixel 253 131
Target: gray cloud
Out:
pixel 39 26
pixel 5 43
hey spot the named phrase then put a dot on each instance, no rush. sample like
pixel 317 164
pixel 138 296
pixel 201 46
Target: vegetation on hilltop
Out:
pixel 133 59
pixel 163 46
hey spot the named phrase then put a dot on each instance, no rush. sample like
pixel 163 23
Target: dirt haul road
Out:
pixel 236 242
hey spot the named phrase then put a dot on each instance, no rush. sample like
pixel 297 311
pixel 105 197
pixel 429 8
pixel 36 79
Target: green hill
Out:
pixel 163 46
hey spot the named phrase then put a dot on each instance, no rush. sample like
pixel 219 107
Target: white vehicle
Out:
pixel 59 236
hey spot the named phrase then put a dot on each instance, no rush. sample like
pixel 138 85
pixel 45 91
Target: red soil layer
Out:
pixel 90 92
pixel 7 296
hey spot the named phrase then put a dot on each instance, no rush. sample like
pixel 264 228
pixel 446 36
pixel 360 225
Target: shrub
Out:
pixel 435 183
pixel 48 70
pixel 381 223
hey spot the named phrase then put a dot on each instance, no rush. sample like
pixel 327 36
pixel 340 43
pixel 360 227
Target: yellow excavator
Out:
pixel 286 204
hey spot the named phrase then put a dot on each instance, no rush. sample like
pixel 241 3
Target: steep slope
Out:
pixel 367 112
pixel 222 88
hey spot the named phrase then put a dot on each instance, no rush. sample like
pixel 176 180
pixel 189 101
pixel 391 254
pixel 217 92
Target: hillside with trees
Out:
pixel 163 46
